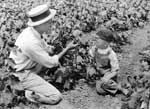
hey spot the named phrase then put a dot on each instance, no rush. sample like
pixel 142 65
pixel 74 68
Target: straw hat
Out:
pixel 40 15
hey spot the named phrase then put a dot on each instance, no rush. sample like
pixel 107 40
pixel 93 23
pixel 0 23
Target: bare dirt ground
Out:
pixel 85 96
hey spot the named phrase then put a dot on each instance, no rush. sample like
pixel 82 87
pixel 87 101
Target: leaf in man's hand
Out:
pixel 59 79
pixel 91 71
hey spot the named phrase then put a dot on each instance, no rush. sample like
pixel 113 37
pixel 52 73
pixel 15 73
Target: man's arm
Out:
pixel 36 53
pixel 69 46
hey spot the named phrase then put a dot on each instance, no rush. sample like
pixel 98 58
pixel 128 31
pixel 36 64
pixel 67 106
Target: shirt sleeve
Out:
pixel 114 61
pixel 38 54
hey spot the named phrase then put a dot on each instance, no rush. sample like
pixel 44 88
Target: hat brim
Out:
pixel 53 13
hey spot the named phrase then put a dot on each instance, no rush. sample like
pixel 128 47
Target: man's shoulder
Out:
pixel 26 31
pixel 26 37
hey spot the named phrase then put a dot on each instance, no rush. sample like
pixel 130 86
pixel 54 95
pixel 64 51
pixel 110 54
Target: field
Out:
pixel 129 19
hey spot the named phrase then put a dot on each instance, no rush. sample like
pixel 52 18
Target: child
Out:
pixel 106 64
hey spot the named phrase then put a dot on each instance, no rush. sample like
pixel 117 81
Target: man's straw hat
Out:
pixel 40 15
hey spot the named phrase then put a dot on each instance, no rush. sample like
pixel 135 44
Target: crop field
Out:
pixel 76 75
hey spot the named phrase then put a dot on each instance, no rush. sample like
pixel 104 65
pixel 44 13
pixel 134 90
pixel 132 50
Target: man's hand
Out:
pixel 105 79
pixel 71 45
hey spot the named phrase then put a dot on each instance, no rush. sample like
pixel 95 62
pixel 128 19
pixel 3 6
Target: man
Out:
pixel 32 53
pixel 106 64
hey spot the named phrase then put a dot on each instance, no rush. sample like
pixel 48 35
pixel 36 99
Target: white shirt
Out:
pixel 32 51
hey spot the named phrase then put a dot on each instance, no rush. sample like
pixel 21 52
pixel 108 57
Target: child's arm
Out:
pixel 114 66
pixel 92 50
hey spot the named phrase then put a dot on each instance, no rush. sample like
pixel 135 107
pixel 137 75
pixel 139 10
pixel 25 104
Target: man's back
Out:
pixel 18 54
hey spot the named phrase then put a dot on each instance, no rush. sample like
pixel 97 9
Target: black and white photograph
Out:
pixel 74 54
